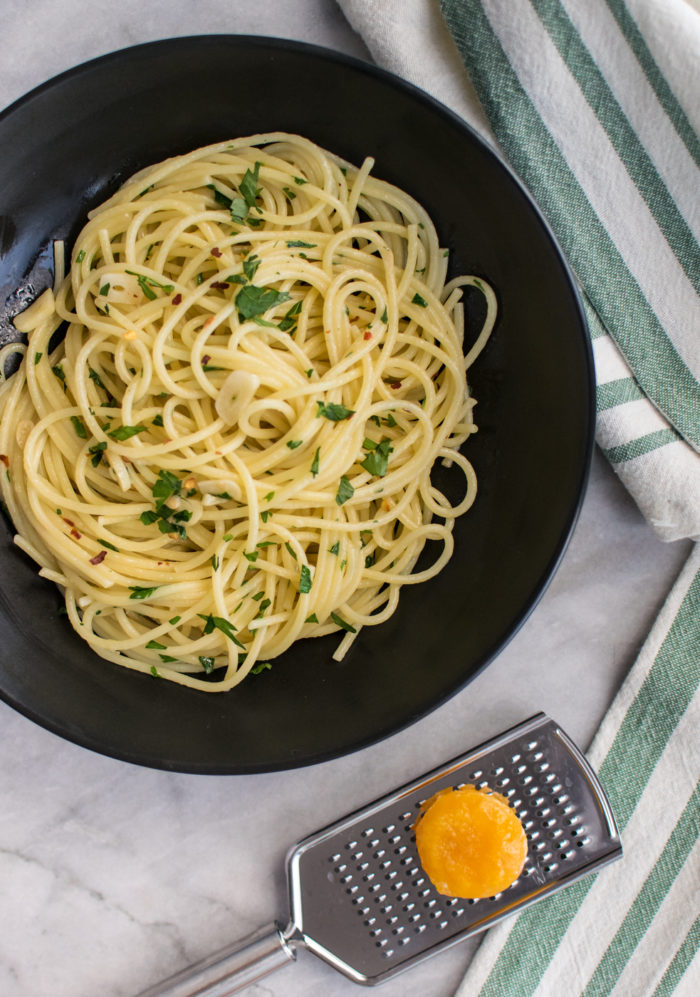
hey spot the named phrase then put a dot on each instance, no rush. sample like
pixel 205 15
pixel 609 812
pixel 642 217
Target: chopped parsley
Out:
pixel 333 411
pixel 166 486
pixel 142 592
pixel 335 548
pixel 377 459
pixel 104 290
pixel 109 546
pixel 249 185
pixel 37 358
pixel 385 315
pixel 97 452
pixel 314 462
pixel 302 245
pixel 288 322
pixel 345 491
pixel 80 257
pixel 207 663
pixel 250 265
pixel 300 180
pixel 126 432
pixel 304 579
pixel 290 549
pixel 311 619
pixel 260 666
pixel 252 300
pixel 340 622
pixel 252 557
pixel 157 420
pixel 153 645
pixel 417 300
pixel 79 427
pixel 148 283
pixel 219 623
pixel 219 196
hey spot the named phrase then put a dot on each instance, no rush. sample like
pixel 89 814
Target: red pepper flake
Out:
pixel 5 459
pixel 220 285
pixel 367 335
pixel 74 533
pixel 98 558
pixel 69 521
pixel 206 358
pixel 395 384
pixel 177 300
pixel 216 252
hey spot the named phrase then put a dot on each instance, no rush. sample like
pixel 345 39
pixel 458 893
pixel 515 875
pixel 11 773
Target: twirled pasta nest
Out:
pixel 231 448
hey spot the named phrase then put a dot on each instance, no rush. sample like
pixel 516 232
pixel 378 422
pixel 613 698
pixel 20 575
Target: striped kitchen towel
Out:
pixel 633 930
pixel 596 106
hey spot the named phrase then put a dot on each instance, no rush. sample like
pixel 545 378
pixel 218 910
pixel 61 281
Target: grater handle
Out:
pixel 232 968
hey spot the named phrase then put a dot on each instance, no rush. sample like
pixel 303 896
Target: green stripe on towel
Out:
pixel 607 282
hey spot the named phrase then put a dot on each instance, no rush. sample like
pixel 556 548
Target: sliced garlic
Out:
pixel 235 395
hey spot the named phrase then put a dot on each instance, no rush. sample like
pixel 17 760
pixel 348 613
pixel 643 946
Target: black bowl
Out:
pixel 68 145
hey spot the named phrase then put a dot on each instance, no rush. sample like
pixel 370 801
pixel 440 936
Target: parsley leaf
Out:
pixel 79 427
pixel 126 432
pixel 304 579
pixel 288 322
pixel 314 462
pixel 97 451
pixel 377 459
pixel 148 283
pixel 141 592
pixel 417 300
pixel 219 623
pixel 333 411
pixel 252 300
pixel 340 622
pixel 207 663
pixel 250 265
pixel 300 242
pixel 108 545
pixel 249 185
pixel 260 666
pixel 345 491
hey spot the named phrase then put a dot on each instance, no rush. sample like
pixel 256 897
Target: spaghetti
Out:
pixel 231 448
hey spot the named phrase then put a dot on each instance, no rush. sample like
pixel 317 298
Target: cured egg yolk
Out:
pixel 470 842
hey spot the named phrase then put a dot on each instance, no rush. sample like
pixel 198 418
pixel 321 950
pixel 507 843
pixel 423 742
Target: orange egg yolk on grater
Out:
pixel 470 842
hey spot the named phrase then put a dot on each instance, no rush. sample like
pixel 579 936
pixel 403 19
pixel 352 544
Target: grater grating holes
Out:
pixel 402 905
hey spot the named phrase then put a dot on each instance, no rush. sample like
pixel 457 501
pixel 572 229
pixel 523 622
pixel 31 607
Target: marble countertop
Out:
pixel 114 876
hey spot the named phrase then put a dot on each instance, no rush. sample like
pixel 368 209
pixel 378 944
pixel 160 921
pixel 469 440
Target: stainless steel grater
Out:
pixel 360 899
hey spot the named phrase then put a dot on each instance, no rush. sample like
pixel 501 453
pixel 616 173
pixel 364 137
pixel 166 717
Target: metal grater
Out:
pixel 360 899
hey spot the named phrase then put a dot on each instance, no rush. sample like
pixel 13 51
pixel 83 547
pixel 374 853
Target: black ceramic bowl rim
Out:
pixel 46 704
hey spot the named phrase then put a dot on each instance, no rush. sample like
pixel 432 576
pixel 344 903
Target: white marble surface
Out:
pixel 112 876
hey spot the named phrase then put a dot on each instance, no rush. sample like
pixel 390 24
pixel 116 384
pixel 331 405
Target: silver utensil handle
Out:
pixel 231 969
